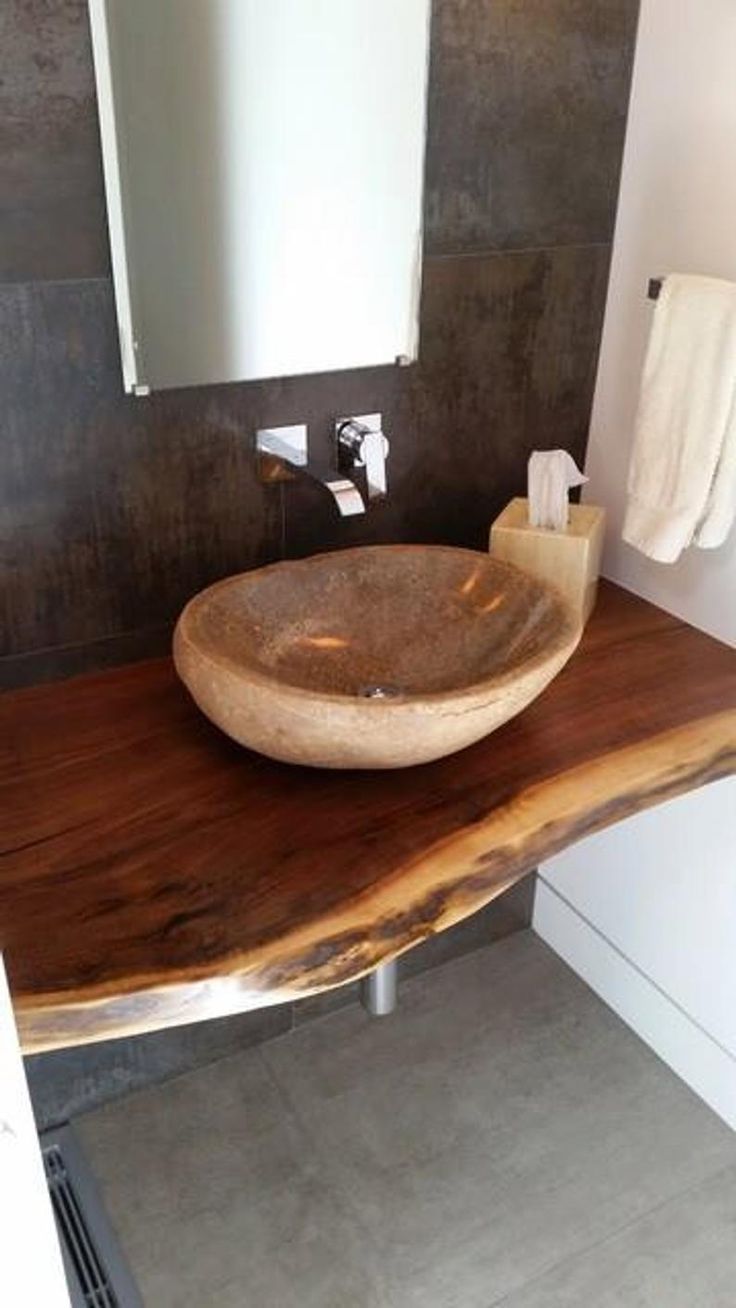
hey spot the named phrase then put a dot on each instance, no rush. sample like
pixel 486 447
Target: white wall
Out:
pixel 647 912
pixel 677 213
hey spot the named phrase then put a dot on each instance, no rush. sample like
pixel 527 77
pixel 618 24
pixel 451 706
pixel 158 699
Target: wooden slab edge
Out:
pixel 439 886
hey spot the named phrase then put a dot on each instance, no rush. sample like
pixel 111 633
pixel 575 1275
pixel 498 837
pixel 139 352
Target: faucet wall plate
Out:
pixel 277 447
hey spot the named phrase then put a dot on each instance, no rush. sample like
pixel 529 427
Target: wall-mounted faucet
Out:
pixel 360 443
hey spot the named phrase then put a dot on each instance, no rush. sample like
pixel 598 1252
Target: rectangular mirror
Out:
pixel 263 167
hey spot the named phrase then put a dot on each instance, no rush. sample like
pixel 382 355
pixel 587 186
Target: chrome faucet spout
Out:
pixel 283 456
pixel 346 496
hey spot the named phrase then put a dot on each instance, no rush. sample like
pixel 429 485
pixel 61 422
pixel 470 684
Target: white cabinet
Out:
pixel 31 1268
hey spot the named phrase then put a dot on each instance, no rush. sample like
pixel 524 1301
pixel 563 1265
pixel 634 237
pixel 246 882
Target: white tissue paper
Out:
pixel 551 474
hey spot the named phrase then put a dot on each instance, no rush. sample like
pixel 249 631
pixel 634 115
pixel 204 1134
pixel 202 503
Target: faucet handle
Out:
pixel 374 451
pixel 362 444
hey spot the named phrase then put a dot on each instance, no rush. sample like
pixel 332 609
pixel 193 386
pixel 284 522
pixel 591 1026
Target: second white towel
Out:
pixel 682 476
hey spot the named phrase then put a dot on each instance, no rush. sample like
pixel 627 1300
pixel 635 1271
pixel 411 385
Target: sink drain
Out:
pixel 380 692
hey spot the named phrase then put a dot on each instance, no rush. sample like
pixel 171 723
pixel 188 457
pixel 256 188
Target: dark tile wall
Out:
pixel 113 511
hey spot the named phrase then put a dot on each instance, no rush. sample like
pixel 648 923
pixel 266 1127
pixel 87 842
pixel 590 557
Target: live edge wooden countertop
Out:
pixel 154 873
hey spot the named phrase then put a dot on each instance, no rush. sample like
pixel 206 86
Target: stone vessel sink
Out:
pixel 376 657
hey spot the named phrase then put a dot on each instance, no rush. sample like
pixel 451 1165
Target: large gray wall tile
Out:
pixel 52 211
pixel 114 510
pixel 527 113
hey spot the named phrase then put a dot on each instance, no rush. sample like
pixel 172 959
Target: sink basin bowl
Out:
pixel 376 657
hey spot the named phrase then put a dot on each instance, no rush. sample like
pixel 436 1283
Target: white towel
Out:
pixel 682 475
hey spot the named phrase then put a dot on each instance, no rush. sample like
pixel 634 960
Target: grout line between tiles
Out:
pixel 338 1192
pixel 14 283
pixel 484 252
pixel 336 1188
pixel 501 252
pixel 74 646
pixel 610 1236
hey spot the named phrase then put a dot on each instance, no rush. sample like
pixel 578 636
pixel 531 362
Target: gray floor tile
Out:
pixel 502 1120
pixel 501 1123
pixel 216 1197
pixel 681 1256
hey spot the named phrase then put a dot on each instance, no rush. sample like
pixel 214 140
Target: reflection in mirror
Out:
pixel 263 167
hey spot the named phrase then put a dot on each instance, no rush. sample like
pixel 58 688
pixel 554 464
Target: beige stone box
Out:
pixel 569 559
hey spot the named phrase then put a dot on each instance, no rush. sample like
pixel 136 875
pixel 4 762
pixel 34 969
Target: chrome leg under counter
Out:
pixel 378 990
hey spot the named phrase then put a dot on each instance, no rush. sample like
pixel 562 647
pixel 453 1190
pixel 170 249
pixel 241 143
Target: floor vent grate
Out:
pixel 96 1272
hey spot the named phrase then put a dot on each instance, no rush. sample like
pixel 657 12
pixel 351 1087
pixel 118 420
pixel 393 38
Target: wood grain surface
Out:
pixel 153 873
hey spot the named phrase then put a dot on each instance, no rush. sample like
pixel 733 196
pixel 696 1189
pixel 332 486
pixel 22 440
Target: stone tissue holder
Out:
pixel 556 541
